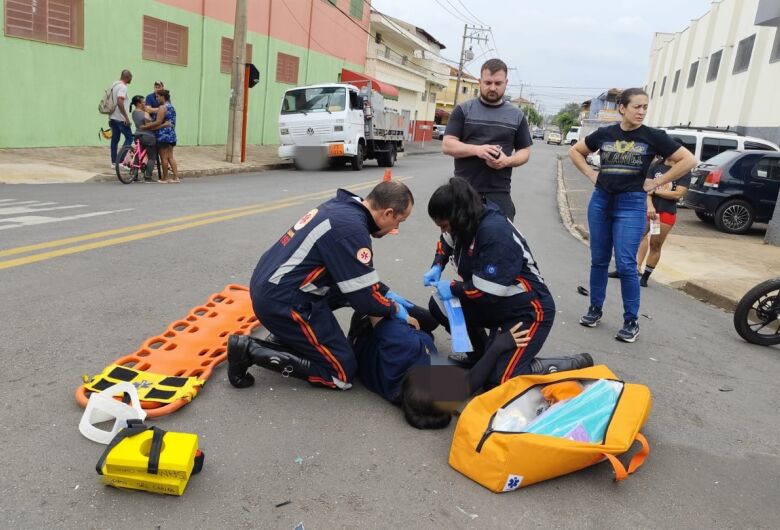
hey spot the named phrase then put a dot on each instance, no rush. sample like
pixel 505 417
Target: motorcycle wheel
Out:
pixel 757 316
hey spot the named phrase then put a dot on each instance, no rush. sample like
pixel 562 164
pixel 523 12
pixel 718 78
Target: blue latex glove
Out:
pixel 433 276
pixel 443 286
pixel 401 312
pixel 398 299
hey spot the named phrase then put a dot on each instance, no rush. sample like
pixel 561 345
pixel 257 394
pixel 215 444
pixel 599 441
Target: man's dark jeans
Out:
pixel 117 128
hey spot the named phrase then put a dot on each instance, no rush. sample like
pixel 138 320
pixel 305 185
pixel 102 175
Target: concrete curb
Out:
pixel 706 295
pixel 577 231
pixel 196 173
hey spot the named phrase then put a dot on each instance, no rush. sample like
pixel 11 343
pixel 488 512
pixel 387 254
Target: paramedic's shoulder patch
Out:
pixel 303 221
pixel 364 255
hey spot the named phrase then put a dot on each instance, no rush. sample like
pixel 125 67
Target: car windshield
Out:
pixel 318 99
pixel 722 158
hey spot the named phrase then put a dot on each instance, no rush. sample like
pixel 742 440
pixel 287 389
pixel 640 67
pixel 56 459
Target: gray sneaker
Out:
pixel 629 331
pixel 592 318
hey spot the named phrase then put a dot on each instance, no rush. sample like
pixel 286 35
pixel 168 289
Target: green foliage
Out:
pixel 567 117
pixel 534 118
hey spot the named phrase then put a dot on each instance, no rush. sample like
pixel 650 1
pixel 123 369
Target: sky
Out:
pixel 560 51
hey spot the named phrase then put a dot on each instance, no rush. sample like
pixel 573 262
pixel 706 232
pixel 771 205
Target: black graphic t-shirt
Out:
pixel 657 170
pixel 626 155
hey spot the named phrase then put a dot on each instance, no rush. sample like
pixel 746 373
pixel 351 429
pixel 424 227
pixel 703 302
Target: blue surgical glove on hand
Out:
pixel 443 286
pixel 401 312
pixel 433 276
pixel 398 299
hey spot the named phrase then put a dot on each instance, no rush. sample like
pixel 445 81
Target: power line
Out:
pixel 472 14
pixel 451 13
pixel 458 11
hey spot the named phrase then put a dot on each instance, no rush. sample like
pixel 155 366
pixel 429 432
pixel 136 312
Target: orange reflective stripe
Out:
pixel 321 381
pixel 519 351
pixel 641 456
pixel 312 338
pixel 620 471
pixel 313 275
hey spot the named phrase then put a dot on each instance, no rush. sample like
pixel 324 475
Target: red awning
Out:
pixel 383 88
pixel 441 113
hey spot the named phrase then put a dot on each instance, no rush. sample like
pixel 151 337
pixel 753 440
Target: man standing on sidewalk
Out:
pixel 119 120
pixel 488 137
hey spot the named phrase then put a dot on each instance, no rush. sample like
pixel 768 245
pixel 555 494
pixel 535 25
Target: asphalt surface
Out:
pixel 345 459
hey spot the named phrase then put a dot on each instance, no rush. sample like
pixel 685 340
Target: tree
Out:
pixel 569 115
pixel 534 118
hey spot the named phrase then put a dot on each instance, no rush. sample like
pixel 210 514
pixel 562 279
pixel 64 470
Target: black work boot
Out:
pixel 244 351
pixel 561 364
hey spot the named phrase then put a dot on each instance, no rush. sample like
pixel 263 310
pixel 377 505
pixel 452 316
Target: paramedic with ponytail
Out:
pixel 500 285
pixel 619 207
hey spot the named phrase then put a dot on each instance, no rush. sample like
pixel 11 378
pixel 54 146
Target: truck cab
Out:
pixel 336 122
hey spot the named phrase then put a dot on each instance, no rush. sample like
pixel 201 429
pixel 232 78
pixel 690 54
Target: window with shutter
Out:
pixel 164 41
pixel 744 51
pixel 286 68
pixel 52 21
pixel 356 9
pixel 226 55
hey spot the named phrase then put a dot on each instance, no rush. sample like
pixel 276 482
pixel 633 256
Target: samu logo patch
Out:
pixel 513 482
pixel 491 270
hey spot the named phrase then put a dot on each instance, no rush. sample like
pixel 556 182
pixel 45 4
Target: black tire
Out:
pixel 125 174
pixel 734 216
pixel 705 216
pixel 387 159
pixel 761 304
pixel 357 161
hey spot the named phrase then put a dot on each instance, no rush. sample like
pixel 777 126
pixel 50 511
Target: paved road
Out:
pixel 72 307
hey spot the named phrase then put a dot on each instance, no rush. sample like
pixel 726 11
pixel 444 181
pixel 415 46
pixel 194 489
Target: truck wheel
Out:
pixel 357 161
pixel 387 159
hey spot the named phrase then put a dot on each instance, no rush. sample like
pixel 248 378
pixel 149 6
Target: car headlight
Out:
pixel 338 128
pixel 284 130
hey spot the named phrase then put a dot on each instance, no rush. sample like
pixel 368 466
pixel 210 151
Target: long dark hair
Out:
pixel 459 204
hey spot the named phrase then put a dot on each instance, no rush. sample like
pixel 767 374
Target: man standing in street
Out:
pixel 119 120
pixel 488 137
pixel 322 263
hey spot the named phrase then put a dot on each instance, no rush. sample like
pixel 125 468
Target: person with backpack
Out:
pixel 114 103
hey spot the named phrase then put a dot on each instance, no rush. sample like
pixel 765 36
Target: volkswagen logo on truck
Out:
pixel 310 131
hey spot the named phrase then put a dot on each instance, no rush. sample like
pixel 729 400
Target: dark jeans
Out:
pixel 616 221
pixel 503 200
pixel 117 128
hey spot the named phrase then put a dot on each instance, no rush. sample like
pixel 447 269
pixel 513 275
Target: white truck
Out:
pixel 338 122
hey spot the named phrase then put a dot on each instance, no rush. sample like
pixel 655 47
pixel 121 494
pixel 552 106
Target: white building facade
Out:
pixel 721 71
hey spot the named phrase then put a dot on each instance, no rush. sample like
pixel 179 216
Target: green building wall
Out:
pixel 49 93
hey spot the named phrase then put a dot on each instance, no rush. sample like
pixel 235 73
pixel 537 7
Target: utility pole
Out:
pixel 235 116
pixel 473 33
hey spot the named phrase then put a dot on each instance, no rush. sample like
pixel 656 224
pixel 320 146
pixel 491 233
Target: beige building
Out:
pixel 721 71
pixel 407 57
pixel 445 101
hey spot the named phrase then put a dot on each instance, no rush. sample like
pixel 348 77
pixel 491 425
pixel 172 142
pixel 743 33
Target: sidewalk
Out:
pixel 712 266
pixel 52 165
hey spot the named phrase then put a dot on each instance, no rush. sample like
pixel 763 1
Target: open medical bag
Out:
pixel 511 437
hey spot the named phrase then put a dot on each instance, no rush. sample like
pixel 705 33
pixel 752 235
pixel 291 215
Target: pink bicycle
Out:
pixel 131 162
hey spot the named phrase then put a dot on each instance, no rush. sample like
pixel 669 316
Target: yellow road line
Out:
pixel 232 213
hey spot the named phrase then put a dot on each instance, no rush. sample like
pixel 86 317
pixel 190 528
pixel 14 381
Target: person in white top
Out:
pixel 119 120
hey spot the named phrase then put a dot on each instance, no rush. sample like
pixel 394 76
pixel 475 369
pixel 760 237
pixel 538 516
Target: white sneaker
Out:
pixel 113 166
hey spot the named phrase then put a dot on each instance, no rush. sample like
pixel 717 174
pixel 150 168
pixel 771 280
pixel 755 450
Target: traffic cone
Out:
pixel 388 176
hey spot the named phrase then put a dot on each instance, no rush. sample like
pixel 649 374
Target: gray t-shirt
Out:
pixel 139 118
pixel 477 123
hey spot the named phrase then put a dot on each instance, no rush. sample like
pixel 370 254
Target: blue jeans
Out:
pixel 117 128
pixel 616 221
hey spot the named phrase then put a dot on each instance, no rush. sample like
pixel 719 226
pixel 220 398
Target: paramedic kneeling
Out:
pixel 322 263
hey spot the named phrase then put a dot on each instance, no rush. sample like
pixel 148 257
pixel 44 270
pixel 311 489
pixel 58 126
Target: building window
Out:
pixel 464 90
pixel 423 96
pixel 286 68
pixel 676 81
pixel 432 97
pixel 712 71
pixel 652 91
pixel 52 21
pixel 663 87
pixel 476 92
pixel 378 38
pixel 226 55
pixel 692 74
pixel 775 55
pixel 164 41
pixel 356 9
pixel 744 51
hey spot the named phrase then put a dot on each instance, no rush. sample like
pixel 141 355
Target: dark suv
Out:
pixel 735 188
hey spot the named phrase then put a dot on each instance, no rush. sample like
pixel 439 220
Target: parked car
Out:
pixel 438 132
pixel 735 188
pixel 573 136
pixel 706 142
pixel 537 134
pixel 554 138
